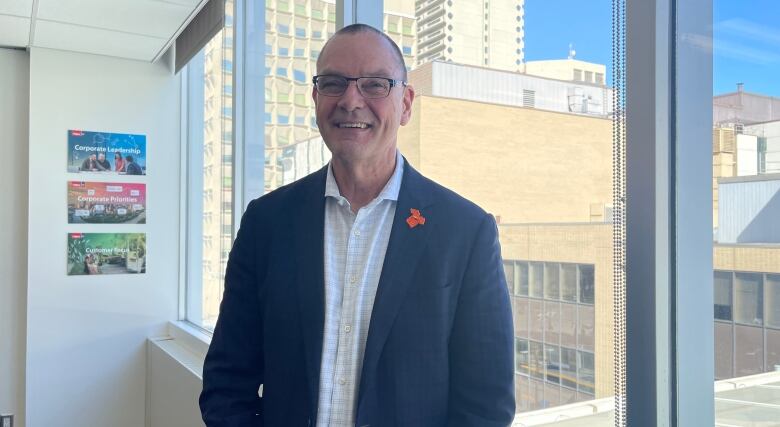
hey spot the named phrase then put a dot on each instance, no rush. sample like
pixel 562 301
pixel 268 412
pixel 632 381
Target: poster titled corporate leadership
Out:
pixel 106 203
pixel 106 253
pixel 106 153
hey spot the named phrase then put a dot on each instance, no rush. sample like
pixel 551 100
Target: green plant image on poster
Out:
pixel 106 253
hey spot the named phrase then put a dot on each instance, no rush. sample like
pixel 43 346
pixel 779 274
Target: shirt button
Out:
pixel 342 381
pixel 357 233
pixel 347 328
pixel 352 279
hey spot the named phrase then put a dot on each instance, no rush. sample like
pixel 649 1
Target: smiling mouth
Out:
pixel 353 125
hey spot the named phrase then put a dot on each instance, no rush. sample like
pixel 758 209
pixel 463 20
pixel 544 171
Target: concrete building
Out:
pixel 568 69
pixel 744 108
pixel 749 208
pixel 483 33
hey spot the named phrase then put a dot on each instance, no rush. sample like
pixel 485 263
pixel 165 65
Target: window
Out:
pixel 772 284
pixel 281 72
pixel 577 75
pixel 282 29
pixel 723 295
pixel 282 119
pixel 300 120
pixel 300 32
pixel 589 76
pixel 586 284
pixel 299 53
pixel 407 50
pixel 283 51
pixel 748 299
pixel 536 279
pixel 521 356
pixel 569 282
pixel 299 76
pixel 551 288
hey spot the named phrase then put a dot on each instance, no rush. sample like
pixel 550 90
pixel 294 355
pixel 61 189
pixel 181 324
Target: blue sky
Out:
pixel 746 33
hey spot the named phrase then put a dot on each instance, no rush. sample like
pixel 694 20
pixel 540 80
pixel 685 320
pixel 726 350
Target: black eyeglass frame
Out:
pixel 393 83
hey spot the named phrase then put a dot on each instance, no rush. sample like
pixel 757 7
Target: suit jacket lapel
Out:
pixel 310 277
pixel 403 252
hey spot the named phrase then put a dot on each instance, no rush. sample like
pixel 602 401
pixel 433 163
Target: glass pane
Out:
pixel 520 316
pixel 551 288
pixel 723 295
pixel 521 356
pixel 536 278
pixel 536 365
pixel 528 136
pixel 569 282
pixel 749 350
pixel 536 320
pixel 552 360
pixel 509 272
pixel 586 333
pixel 585 371
pixel 569 325
pixel 724 350
pixel 552 322
pixel 748 299
pixel 210 158
pixel 521 283
pixel 772 284
pixel 586 284
pixel 523 392
pixel 569 368
pixel 772 350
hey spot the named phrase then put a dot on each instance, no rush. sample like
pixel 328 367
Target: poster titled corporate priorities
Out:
pixel 106 203
pixel 106 153
pixel 106 253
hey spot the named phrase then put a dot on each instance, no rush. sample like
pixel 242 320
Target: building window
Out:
pixel 281 72
pixel 282 29
pixel 283 119
pixel 300 120
pixel 407 50
pixel 299 53
pixel 551 282
pixel 300 32
pixel 536 279
pixel 600 78
pixel 283 51
pixel 586 284
pixel 748 299
pixel 577 75
pixel 589 76
pixel 521 356
pixel 772 285
pixel 723 295
pixel 299 76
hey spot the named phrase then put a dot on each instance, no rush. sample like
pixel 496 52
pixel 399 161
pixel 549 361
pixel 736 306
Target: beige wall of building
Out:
pixel 520 164
pixel 568 69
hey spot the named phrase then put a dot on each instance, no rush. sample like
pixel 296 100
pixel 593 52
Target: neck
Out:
pixel 361 182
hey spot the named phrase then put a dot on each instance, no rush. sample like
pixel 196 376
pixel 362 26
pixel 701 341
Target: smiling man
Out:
pixel 363 294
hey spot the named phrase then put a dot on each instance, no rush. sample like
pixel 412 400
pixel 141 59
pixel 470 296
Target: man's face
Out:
pixel 92 157
pixel 361 54
pixel 101 157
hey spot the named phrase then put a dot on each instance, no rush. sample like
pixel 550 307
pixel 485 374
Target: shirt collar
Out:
pixel 389 192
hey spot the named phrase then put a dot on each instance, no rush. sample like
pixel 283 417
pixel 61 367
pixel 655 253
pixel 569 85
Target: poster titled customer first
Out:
pixel 106 153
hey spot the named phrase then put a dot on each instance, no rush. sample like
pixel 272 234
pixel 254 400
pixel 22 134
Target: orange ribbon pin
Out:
pixel 415 219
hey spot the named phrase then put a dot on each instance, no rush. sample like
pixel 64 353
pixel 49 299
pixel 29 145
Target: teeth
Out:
pixel 353 125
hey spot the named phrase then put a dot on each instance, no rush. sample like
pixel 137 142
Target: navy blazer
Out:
pixel 439 350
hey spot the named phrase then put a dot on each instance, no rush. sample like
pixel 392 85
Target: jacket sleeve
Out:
pixel 482 340
pixel 233 369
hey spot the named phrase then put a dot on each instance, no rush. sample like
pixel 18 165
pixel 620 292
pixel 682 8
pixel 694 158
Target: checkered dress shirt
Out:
pixel 355 246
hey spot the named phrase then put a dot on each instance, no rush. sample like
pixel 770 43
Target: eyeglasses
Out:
pixel 369 87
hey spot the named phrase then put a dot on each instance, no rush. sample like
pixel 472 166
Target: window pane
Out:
pixel 521 356
pixel 536 320
pixel 520 316
pixel 569 282
pixel 523 393
pixel 772 350
pixel 569 325
pixel 552 395
pixel 585 328
pixel 536 279
pixel 749 350
pixel 723 295
pixel 552 322
pixel 509 272
pixel 748 299
pixel 537 394
pixel 586 284
pixel 585 371
pixel 536 364
pixel 724 350
pixel 569 367
pixel 552 360
pixel 521 283
pixel 551 287
pixel 772 283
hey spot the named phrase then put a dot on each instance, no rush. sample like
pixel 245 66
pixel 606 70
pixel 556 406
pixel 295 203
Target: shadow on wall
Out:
pixel 765 226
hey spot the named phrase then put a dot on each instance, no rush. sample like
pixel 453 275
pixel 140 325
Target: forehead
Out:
pixel 357 54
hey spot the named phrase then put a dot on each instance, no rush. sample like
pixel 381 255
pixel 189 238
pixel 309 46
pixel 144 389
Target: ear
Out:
pixel 407 101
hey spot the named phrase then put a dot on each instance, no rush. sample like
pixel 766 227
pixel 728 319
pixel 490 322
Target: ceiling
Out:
pixel 134 29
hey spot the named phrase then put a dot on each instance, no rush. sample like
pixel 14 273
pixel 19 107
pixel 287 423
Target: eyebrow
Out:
pixel 375 73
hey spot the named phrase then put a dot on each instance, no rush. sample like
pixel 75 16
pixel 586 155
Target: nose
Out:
pixel 351 99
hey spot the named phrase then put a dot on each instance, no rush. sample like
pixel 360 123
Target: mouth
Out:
pixel 352 125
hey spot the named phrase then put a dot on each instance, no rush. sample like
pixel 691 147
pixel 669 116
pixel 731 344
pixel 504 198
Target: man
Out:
pixel 131 167
pixel 90 163
pixel 103 164
pixel 363 294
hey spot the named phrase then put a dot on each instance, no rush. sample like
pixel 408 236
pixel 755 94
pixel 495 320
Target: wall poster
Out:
pixel 106 153
pixel 106 253
pixel 106 203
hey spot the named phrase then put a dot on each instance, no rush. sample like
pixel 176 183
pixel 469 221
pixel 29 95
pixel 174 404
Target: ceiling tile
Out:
pixel 14 31
pixel 146 17
pixel 56 35
pixel 16 7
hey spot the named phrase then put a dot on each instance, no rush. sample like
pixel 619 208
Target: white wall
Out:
pixel 86 334
pixel 747 155
pixel 14 98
